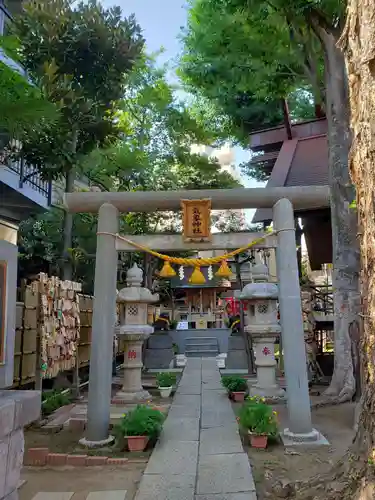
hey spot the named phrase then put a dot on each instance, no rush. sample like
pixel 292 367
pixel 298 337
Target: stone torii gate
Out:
pixel 282 200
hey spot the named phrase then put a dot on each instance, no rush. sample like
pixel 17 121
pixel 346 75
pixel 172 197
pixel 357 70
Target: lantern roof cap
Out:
pixel 134 292
pixel 260 291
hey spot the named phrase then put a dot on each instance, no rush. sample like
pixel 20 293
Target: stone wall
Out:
pixel 17 409
pixel 8 298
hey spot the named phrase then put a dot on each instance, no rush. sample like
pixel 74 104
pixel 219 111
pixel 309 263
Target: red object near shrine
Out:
pixel 132 355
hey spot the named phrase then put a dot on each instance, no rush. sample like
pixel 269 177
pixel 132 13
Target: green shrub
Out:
pixel 173 324
pixel 165 379
pixel 234 383
pixel 54 400
pixel 258 417
pixel 142 421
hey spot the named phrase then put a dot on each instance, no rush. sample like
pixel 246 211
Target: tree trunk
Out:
pixel 353 477
pixel 346 261
pixel 68 230
pixel 68 217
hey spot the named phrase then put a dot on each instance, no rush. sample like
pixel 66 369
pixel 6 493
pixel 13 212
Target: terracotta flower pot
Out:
pixel 258 441
pixel 238 396
pixel 137 443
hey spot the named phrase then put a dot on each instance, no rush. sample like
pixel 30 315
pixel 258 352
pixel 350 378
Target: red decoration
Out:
pixel 132 355
pixel 266 351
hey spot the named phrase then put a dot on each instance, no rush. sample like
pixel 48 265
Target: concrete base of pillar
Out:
pixel 273 392
pixel 313 438
pixel 131 397
pixel 97 444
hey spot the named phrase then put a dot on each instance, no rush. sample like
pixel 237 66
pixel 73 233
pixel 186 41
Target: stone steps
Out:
pixel 202 353
pixel 198 347
pixel 205 345
pixel 200 340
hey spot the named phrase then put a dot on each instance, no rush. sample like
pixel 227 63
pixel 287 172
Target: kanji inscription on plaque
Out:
pixel 196 219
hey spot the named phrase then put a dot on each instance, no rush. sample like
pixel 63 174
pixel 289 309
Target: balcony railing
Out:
pixel 5 19
pixel 28 175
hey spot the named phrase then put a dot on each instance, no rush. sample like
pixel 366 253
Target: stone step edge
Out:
pixel 40 457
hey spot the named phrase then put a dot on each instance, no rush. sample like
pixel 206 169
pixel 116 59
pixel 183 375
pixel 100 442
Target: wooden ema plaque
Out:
pixel 196 219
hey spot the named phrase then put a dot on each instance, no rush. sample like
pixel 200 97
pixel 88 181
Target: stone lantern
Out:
pixel 260 299
pixel 133 330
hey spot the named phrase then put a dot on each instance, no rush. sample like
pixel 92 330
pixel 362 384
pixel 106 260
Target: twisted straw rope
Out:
pixel 192 261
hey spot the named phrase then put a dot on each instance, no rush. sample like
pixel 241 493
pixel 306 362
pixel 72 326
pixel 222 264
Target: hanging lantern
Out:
pixel 197 277
pixel 224 271
pixel 167 270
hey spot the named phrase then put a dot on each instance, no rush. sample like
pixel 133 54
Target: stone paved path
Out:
pixel 95 495
pixel 199 455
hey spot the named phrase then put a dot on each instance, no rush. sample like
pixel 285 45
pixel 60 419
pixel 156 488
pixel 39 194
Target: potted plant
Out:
pixel 236 387
pixel 140 425
pixel 259 421
pixel 165 381
pixel 173 324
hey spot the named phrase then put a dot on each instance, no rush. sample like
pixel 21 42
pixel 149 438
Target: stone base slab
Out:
pixel 96 444
pixel 274 393
pixel 313 438
pixel 131 397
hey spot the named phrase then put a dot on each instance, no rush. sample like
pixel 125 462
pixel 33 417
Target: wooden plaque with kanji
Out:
pixel 196 218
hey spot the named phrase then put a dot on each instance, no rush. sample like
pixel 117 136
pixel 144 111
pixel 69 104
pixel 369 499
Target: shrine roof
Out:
pixel 300 161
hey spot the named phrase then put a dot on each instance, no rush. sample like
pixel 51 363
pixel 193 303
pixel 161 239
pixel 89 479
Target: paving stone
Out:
pixel 229 473
pixel 187 399
pixel 54 495
pixel 188 389
pixel 108 495
pixel 211 384
pixel 174 457
pixel 217 418
pixel 200 419
pixel 166 487
pixel 246 495
pixel 181 411
pixel 184 429
pixel 219 440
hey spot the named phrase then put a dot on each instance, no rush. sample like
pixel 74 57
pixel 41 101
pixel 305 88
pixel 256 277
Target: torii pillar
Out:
pixel 300 428
pixel 103 323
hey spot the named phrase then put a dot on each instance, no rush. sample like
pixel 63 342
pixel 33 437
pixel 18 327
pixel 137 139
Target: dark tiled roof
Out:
pixel 301 162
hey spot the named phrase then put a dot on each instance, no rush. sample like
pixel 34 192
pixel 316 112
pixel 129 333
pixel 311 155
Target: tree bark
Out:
pixel 353 477
pixel 68 217
pixel 68 231
pixel 346 259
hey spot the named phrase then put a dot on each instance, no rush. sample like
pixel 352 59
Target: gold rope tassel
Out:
pixel 224 270
pixel 167 270
pixel 197 277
